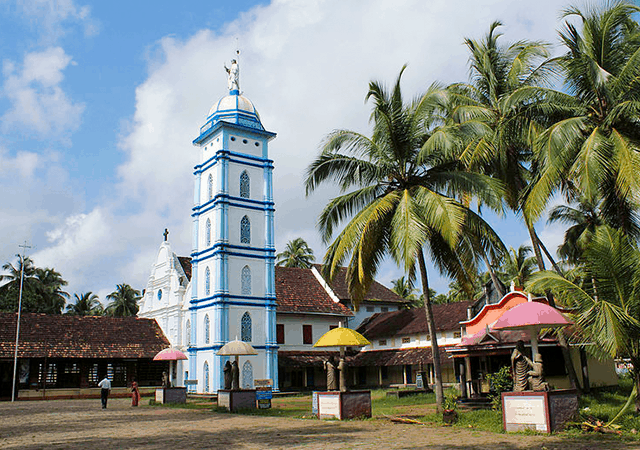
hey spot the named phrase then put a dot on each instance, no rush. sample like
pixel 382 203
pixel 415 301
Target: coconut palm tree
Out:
pixel 124 301
pixel 606 300
pixel 10 290
pixel 396 198
pixel 488 120
pixel 49 290
pixel 594 135
pixel 584 219
pixel 518 266
pixel 404 288
pixel 86 304
pixel 296 254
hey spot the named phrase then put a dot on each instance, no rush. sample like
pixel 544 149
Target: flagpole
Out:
pixel 15 355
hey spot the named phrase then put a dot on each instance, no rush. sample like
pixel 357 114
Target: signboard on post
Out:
pixel 264 393
pixel 419 382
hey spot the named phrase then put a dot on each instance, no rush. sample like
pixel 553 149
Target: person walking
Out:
pixel 135 393
pixel 105 386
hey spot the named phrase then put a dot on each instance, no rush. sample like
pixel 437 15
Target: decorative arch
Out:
pixel 210 187
pixel 207 281
pixel 245 186
pixel 245 230
pixel 245 327
pixel 207 328
pixel 207 233
pixel 247 375
pixel 187 332
pixel 245 279
pixel 205 375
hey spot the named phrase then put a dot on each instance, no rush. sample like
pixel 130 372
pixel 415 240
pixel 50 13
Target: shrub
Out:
pixel 500 381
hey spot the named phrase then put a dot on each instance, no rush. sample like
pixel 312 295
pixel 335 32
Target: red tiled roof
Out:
pixel 63 336
pixel 377 292
pixel 298 290
pixel 399 357
pixel 185 262
pixel 413 321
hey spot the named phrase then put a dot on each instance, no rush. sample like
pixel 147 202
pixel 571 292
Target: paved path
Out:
pixel 81 424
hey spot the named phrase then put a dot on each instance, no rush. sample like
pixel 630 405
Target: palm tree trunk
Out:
pixel 435 351
pixel 566 353
pixel 492 274
pixel 547 254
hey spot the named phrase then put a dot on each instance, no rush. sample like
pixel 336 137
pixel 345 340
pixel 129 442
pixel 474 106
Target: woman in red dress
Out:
pixel 135 393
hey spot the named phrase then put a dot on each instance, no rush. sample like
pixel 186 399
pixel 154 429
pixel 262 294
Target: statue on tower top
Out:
pixel 233 76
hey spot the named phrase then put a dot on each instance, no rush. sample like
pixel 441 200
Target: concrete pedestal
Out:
pixel 344 405
pixel 540 411
pixel 234 400
pixel 171 395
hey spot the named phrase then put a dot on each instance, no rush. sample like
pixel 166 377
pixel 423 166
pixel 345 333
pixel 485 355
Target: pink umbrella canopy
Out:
pixel 531 314
pixel 169 354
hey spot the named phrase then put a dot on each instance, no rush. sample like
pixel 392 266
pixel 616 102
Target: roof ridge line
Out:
pixel 324 284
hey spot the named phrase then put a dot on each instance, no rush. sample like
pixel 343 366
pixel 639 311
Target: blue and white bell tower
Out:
pixel 233 256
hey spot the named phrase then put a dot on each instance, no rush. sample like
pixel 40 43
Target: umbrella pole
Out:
pixel 533 335
pixel 343 369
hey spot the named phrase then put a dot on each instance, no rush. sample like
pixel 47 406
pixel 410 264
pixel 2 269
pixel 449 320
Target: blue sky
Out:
pixel 100 102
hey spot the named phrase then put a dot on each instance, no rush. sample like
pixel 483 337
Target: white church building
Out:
pixel 227 288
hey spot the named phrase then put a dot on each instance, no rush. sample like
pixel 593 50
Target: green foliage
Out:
pixel 124 301
pixel 450 401
pixel 42 289
pixel 500 381
pixel 296 254
pixel 86 304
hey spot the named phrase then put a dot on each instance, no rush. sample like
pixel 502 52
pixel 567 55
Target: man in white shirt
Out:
pixel 105 385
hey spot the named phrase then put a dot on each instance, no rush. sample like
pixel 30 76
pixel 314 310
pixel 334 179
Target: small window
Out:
pixel 245 230
pixel 245 327
pixel 206 329
pixel 210 186
pixel 208 233
pixel 307 334
pixel 207 281
pixel 187 333
pixel 406 340
pixel 370 309
pixel 280 333
pixel 382 342
pixel 257 144
pixel 245 280
pixel 245 187
pixel 206 376
pixel 457 334
pixel 384 309
pixel 233 138
pixel 244 141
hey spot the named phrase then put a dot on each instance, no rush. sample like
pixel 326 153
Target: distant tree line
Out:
pixel 42 292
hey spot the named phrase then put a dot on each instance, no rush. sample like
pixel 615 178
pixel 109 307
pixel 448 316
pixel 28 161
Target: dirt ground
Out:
pixel 82 424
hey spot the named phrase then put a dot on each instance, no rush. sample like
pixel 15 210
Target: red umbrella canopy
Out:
pixel 531 314
pixel 169 354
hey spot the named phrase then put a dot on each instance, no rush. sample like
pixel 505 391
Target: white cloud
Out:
pixel 38 103
pixel 306 66
pixel 53 18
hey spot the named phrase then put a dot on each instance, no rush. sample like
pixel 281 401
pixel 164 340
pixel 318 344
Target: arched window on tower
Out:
pixel 207 281
pixel 210 186
pixel 208 233
pixel 247 375
pixel 245 188
pixel 205 374
pixel 245 280
pixel 245 231
pixel 187 333
pixel 245 327
pixel 206 329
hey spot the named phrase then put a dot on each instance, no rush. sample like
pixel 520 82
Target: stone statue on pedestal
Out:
pixel 227 375
pixel 330 367
pixel 235 376
pixel 536 375
pixel 165 380
pixel 520 366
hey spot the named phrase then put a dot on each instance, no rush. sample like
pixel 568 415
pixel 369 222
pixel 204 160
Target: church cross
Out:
pixel 165 234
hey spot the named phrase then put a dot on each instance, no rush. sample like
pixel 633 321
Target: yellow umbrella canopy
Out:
pixel 342 337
